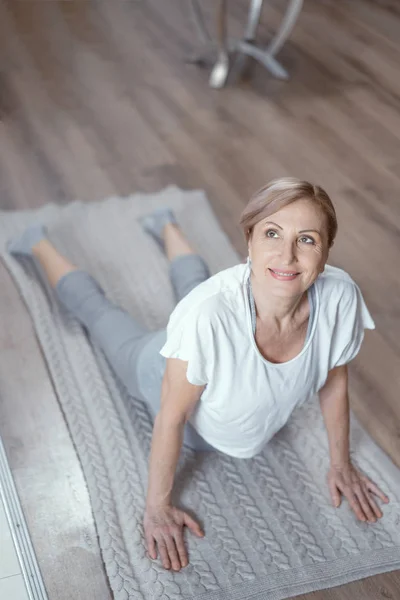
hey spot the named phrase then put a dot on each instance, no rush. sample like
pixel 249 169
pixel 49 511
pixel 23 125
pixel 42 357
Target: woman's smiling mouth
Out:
pixel 283 275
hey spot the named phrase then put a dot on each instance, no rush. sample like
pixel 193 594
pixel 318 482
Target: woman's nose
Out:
pixel 288 253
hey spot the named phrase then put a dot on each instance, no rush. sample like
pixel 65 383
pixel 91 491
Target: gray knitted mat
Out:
pixel 271 531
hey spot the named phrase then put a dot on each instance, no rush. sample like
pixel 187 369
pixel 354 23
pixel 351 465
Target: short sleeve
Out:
pixel 352 318
pixel 191 339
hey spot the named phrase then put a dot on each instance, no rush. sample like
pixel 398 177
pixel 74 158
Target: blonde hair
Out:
pixel 280 193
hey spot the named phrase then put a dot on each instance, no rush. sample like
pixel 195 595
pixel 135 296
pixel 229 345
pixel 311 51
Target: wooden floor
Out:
pixel 96 99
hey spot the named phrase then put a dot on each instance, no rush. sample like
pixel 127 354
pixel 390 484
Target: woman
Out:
pixel 242 349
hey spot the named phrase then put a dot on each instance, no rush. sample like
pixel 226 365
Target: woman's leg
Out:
pixel 118 335
pixel 187 268
pixel 55 266
pixel 125 343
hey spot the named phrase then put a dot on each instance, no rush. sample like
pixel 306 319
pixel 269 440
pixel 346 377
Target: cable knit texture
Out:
pixel 271 531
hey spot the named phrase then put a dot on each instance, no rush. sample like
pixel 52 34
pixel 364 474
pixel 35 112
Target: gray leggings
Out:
pixel 131 350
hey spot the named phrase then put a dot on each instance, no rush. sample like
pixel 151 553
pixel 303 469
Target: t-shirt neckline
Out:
pixel 250 327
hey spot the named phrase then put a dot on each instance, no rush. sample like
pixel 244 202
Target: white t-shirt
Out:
pixel 247 399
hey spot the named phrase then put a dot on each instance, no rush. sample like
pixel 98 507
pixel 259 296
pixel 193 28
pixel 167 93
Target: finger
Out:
pixel 375 507
pixel 172 552
pixel 354 504
pixel 162 548
pixel 151 547
pixel 372 487
pixel 193 525
pixel 335 494
pixel 365 505
pixel 181 548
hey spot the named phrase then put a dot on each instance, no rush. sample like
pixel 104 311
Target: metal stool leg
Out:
pixel 199 22
pixel 220 71
pixel 204 55
pixel 253 20
pixel 242 60
pixel 288 22
pixel 266 56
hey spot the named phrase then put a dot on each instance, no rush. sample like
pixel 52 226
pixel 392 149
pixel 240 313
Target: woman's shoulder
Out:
pixel 340 296
pixel 335 283
pixel 343 315
pixel 228 279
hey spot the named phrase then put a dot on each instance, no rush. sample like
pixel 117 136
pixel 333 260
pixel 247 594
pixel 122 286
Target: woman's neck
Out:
pixel 279 311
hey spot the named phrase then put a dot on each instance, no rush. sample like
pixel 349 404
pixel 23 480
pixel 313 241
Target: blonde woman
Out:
pixel 242 349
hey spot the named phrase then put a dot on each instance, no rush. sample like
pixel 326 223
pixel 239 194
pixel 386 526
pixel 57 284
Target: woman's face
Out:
pixel 289 249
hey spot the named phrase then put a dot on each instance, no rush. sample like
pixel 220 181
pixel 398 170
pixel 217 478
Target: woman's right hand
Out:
pixel 163 528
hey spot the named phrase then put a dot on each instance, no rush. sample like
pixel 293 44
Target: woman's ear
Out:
pixel 249 243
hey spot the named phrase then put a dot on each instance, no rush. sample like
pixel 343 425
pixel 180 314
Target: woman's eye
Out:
pixel 271 233
pixel 305 239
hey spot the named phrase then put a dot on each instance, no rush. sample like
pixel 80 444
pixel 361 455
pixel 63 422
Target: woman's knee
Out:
pixel 187 272
pixel 77 289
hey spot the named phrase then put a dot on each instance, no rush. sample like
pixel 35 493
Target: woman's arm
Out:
pixel 343 477
pixel 164 523
pixel 334 401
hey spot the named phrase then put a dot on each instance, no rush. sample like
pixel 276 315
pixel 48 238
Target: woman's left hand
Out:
pixel 357 489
